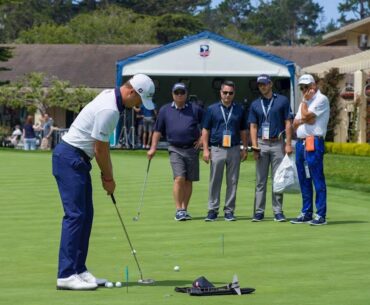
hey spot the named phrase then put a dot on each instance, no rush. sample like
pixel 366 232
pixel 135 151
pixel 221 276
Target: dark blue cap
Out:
pixel 264 79
pixel 179 86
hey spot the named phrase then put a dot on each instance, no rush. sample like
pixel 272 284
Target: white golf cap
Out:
pixel 144 86
pixel 306 79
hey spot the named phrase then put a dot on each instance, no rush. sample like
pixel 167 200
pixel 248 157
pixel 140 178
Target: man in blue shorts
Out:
pixel 88 137
pixel 180 121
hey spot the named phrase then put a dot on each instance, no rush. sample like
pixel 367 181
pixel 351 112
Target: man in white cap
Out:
pixel 88 137
pixel 310 124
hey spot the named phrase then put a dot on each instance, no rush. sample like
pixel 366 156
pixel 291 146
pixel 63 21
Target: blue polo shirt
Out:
pixel 181 126
pixel 279 112
pixel 214 122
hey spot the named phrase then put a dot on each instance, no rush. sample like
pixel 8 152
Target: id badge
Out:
pixel 265 131
pixel 226 138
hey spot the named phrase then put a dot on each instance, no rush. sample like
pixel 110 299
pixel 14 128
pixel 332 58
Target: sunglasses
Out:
pixel 228 92
pixel 179 93
pixel 304 88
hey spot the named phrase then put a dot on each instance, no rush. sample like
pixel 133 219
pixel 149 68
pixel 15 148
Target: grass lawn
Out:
pixel 287 264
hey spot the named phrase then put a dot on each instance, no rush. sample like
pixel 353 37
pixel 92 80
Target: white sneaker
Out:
pixel 89 278
pixel 74 282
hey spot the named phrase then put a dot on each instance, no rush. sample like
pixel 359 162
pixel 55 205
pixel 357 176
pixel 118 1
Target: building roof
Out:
pixel 95 65
pixel 89 65
pixel 308 56
pixel 348 64
pixel 361 26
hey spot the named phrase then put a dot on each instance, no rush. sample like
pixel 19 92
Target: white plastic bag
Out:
pixel 286 177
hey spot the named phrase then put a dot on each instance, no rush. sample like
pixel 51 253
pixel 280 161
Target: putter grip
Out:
pixel 113 199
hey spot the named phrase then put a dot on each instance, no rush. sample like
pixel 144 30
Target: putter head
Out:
pixel 146 281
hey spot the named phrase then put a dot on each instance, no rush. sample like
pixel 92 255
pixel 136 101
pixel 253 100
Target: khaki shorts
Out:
pixel 184 162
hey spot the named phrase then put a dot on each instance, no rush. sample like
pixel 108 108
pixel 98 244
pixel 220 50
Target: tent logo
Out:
pixel 204 50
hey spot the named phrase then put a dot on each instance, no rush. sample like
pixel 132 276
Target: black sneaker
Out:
pixel 302 218
pixel 229 216
pixel 279 217
pixel 180 215
pixel 258 217
pixel 212 216
pixel 318 221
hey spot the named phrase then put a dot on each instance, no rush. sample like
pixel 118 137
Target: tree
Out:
pixel 108 25
pixel 171 27
pixel 359 8
pixel 158 8
pixel 234 12
pixel 31 93
pixel 285 22
pixel 329 86
pixel 21 15
pixel 5 55
pixel 48 33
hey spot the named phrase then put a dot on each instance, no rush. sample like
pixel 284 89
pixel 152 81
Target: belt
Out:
pixel 183 146
pixel 78 150
pixel 270 139
pixel 220 146
pixel 317 137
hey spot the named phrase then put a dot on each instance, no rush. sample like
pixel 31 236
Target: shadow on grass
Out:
pixel 346 222
pixel 221 218
pixel 168 283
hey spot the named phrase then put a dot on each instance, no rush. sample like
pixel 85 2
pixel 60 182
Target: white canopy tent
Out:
pixel 203 61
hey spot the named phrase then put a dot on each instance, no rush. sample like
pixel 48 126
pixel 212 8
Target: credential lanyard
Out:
pixel 266 113
pixel 228 117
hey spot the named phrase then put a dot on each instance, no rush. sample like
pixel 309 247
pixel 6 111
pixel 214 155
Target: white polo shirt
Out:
pixel 319 105
pixel 96 121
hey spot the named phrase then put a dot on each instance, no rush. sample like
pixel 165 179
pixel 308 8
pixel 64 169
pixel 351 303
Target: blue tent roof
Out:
pixel 204 35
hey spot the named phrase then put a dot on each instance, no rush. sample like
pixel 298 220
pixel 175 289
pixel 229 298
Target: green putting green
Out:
pixel 287 264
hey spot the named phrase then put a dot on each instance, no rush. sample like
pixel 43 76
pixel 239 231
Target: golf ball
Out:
pixel 118 284
pixel 176 268
pixel 133 251
pixel 109 284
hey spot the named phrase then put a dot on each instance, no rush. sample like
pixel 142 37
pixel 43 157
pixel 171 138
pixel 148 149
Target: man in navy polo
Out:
pixel 88 137
pixel 224 126
pixel 269 118
pixel 180 121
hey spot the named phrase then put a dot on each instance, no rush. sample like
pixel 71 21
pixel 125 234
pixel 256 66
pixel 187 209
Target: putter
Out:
pixel 133 251
pixel 137 217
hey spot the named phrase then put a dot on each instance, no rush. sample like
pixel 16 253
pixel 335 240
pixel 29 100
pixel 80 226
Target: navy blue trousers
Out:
pixel 72 173
pixel 315 163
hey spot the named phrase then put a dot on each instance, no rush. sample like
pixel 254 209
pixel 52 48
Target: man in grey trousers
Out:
pixel 269 116
pixel 224 126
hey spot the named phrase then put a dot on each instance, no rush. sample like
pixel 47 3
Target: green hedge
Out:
pixel 348 148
